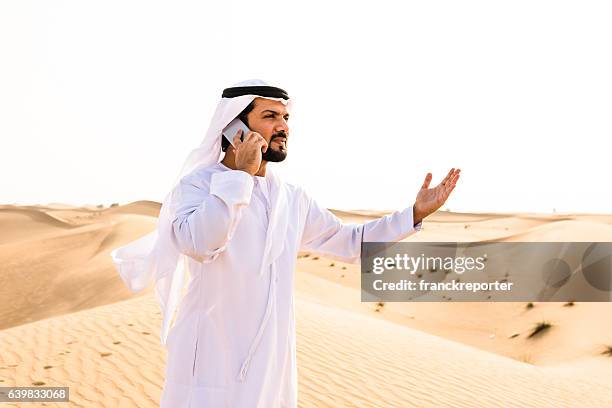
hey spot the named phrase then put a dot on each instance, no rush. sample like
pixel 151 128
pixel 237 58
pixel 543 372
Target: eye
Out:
pixel 269 116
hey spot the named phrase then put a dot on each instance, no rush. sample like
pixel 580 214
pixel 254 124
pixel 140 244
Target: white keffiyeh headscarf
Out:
pixel 154 257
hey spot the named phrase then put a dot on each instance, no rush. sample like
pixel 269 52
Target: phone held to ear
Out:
pixel 232 128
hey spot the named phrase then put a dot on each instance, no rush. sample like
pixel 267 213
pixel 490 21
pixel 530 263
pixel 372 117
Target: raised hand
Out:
pixel 429 200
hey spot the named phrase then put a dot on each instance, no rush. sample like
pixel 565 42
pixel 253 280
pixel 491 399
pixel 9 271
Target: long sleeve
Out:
pixel 325 233
pixel 207 217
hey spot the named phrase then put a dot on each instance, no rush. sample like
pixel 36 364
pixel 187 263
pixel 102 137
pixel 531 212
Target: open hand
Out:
pixel 429 200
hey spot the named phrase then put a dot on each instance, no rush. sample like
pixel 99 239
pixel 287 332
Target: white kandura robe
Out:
pixel 233 343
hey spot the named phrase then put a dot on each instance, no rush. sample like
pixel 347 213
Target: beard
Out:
pixel 272 155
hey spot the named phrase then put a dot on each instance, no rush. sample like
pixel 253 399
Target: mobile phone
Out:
pixel 232 128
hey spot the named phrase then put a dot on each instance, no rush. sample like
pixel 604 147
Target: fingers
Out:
pixel 451 183
pixel 446 185
pixel 258 140
pixel 448 176
pixel 453 179
pixel 255 139
pixel 262 142
pixel 237 138
pixel 456 176
pixel 250 136
pixel 427 180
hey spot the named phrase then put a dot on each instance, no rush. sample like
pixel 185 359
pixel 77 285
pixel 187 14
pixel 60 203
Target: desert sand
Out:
pixel 66 319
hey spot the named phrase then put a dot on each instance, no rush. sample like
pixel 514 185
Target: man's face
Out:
pixel 269 119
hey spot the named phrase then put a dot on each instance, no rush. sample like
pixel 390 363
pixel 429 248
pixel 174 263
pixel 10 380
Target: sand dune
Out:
pixel 148 208
pixel 67 319
pixel 19 224
pixel 566 230
pixel 416 369
pixel 110 356
pixel 52 265
pixel 579 332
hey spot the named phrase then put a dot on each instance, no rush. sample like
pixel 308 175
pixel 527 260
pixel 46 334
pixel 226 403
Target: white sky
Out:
pixel 100 102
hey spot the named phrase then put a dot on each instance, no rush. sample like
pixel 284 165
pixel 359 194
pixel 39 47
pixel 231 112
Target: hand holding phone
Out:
pixel 248 146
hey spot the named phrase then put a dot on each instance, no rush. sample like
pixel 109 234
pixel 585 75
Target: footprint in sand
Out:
pixel 47 367
pixel 105 354
pixel 38 383
pixel 116 342
pixel 146 333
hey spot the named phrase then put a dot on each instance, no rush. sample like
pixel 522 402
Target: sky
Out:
pixel 100 102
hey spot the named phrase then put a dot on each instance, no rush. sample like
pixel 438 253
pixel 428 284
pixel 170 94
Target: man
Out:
pixel 239 228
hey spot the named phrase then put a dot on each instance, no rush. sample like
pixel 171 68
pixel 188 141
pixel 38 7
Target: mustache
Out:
pixel 279 134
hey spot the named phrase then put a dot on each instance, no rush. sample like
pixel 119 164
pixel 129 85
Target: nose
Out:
pixel 282 125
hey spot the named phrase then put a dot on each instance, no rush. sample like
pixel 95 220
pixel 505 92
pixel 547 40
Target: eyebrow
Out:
pixel 274 112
